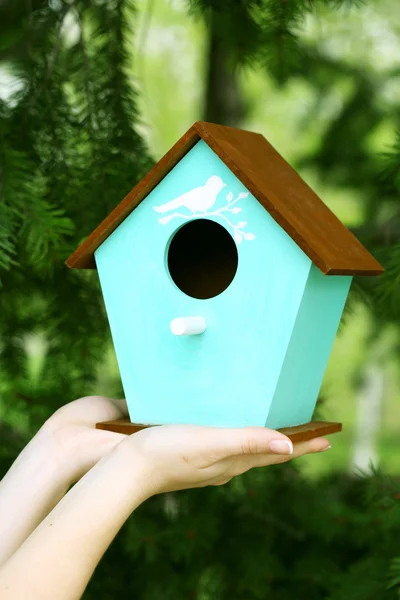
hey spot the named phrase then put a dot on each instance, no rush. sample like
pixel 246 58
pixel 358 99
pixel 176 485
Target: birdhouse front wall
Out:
pixel 228 375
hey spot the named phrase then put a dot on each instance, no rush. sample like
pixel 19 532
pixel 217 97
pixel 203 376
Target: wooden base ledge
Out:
pixel 300 433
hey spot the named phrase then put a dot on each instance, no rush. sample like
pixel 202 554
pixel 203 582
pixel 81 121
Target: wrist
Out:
pixel 58 454
pixel 132 465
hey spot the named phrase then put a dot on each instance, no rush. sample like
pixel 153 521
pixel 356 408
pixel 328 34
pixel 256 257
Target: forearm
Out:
pixel 29 491
pixel 60 556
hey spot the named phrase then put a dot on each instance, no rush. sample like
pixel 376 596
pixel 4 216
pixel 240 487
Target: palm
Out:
pixel 183 456
pixel 73 428
pixel 177 456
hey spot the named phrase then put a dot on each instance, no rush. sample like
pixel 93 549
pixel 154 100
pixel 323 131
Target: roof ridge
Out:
pixel 272 181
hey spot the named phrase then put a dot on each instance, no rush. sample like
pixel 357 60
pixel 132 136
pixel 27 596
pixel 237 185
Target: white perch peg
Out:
pixel 188 325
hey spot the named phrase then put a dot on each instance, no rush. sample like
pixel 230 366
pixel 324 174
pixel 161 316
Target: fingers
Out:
pixel 245 463
pixel 90 410
pixel 311 447
pixel 121 405
pixel 301 448
pixel 106 409
pixel 249 441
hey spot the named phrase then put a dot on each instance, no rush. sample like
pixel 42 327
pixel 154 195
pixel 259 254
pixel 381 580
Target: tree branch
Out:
pixel 50 63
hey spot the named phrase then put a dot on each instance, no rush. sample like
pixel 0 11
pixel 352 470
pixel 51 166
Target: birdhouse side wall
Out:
pixel 309 349
pixel 227 375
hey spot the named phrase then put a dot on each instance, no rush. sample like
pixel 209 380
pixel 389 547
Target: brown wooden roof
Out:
pixel 275 184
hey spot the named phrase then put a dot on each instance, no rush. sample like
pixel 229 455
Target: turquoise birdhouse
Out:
pixel 224 279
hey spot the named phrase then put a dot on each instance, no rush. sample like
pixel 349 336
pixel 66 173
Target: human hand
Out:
pixel 154 460
pixel 76 443
pixel 175 457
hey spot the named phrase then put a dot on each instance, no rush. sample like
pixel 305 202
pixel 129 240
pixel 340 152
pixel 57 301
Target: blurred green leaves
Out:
pixel 70 149
pixel 69 152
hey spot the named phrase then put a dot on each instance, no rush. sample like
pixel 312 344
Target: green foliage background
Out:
pixel 91 93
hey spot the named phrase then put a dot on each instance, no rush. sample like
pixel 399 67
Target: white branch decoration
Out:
pixel 238 228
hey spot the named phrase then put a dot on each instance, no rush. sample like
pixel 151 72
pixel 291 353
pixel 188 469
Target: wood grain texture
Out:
pixel 120 426
pixel 290 201
pixel 300 433
pixel 275 184
pixel 308 431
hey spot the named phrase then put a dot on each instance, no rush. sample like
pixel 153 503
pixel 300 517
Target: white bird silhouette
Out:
pixel 199 199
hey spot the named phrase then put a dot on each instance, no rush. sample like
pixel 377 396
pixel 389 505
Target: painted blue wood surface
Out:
pixel 229 375
pixel 309 349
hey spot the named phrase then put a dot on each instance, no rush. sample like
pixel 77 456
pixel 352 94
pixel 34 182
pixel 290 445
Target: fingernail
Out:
pixel 281 447
pixel 326 448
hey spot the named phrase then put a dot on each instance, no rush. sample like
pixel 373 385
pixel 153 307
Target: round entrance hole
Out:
pixel 202 259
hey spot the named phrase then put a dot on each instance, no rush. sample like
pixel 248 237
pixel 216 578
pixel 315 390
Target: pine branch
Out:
pixel 88 85
pixel 394 574
pixel 50 62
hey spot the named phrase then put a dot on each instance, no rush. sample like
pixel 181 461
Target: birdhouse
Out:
pixel 224 279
